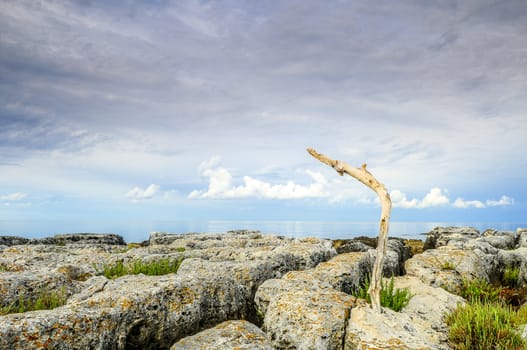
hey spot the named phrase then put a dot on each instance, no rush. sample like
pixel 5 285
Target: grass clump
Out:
pixel 487 321
pixel 391 297
pixel 483 325
pixel 510 277
pixel 135 267
pixel 479 290
pixel 46 299
pixel 448 265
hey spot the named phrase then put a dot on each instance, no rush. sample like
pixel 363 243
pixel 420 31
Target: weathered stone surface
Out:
pixel 441 236
pixel 460 257
pixel 132 312
pixel 13 240
pixel 420 325
pixel 305 320
pixel 216 282
pixel 228 335
pixel 522 237
pixel 500 239
pixel 344 272
pixel 427 308
pixel 389 330
pixel 273 287
pixel 446 266
pixel 66 238
pixel 90 238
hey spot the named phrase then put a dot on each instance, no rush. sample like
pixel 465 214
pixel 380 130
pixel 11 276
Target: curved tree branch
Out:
pixel 369 180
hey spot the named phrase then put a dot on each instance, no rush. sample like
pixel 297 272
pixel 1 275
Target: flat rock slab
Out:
pixel 230 335
pixel 305 320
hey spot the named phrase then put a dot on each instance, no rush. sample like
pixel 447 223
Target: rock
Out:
pixel 446 266
pixel 367 330
pixel 522 237
pixel 67 238
pixel 131 312
pixel 216 282
pixel 342 273
pixel 273 287
pixel 302 319
pixel 90 238
pixel 441 236
pixel 12 240
pixel 226 336
pixel 499 239
pixel 427 307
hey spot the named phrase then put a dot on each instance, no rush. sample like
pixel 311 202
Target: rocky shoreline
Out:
pixel 242 290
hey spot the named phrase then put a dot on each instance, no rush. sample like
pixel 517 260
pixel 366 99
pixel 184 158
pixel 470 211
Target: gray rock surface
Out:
pixel 215 283
pixel 300 319
pixel 441 236
pixel 298 290
pixel 229 335
pixel 66 238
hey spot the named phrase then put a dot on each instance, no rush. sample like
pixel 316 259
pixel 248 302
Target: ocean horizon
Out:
pixel 137 231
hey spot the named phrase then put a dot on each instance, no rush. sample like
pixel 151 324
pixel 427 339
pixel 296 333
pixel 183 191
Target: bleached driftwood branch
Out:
pixel 369 180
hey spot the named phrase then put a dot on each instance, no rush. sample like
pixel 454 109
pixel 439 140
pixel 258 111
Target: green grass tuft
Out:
pixel 135 267
pixel 448 265
pixel 46 299
pixel 510 277
pixel 483 325
pixel 391 297
pixel 478 290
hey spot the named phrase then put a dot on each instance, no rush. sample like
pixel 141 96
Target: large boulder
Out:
pixel 419 325
pixel 441 236
pixel 522 237
pixel 306 319
pixel 132 312
pixel 388 330
pixel 229 335
pixel 90 238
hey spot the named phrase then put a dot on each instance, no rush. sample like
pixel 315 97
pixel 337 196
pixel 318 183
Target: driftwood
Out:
pixel 369 180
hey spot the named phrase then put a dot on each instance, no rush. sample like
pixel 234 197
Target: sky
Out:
pixel 203 110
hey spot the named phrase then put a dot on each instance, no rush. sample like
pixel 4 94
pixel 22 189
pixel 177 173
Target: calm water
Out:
pixel 139 231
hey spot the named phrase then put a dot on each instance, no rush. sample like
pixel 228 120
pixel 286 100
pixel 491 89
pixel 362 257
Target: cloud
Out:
pixel 461 203
pixel 221 186
pixel 13 197
pixel 436 198
pixel 504 200
pixel 137 194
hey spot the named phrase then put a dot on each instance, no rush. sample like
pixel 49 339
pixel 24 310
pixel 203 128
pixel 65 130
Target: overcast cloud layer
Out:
pixel 197 109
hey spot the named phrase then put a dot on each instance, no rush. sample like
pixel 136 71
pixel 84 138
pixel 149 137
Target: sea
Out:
pixel 138 231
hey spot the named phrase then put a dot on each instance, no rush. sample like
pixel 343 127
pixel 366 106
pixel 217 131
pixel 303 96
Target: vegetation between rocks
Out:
pixel 484 325
pixel 488 320
pixel 135 267
pixel 391 297
pixel 46 299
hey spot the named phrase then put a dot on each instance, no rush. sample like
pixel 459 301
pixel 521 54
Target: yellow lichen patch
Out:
pixel 183 297
pixel 416 245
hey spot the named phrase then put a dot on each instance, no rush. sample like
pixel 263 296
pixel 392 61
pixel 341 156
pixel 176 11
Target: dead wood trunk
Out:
pixel 369 180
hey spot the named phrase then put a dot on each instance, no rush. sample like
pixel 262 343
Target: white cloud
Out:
pixel 399 200
pixel 461 203
pixel 436 197
pixel 13 197
pixel 138 194
pixel 504 200
pixel 221 186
